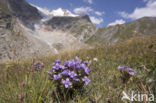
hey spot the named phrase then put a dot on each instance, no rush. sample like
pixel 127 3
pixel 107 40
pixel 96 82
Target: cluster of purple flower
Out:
pixel 130 70
pixel 38 65
pixel 71 73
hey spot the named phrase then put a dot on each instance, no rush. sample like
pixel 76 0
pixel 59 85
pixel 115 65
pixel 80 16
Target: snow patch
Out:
pixel 58 12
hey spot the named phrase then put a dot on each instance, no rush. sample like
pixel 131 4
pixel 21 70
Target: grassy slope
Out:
pixel 143 26
pixel 18 82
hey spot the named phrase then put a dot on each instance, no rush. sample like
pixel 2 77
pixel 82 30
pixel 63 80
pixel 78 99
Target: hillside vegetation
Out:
pixel 117 33
pixel 19 83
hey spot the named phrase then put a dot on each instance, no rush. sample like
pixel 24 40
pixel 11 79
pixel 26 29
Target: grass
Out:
pixel 19 83
pixel 107 35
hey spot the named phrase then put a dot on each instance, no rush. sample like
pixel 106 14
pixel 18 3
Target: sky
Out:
pixel 104 12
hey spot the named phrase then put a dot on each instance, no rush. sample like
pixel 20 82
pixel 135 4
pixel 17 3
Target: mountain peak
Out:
pixel 58 12
pixel 24 11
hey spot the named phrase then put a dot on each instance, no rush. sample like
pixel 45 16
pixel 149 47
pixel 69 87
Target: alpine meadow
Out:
pixel 62 56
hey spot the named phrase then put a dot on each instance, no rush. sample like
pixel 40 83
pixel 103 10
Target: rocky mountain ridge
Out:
pixel 117 33
pixel 29 31
pixel 24 33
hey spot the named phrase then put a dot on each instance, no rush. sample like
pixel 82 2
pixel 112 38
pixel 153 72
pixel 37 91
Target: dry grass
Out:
pixel 20 84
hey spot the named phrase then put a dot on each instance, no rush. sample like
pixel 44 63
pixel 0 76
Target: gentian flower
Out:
pixel 130 70
pixel 86 62
pixel 56 77
pixel 78 66
pixel 57 66
pixel 76 79
pixel 83 66
pixel 57 61
pixel 53 67
pixel 68 74
pixel 67 83
pixel 87 70
pixel 70 63
pixel 86 80
pixel 77 60
pixel 72 74
pixel 62 67
pixel 121 68
pixel 65 72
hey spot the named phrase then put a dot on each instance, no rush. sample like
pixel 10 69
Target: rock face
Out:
pixel 16 41
pixel 29 31
pixel 20 38
pixel 28 14
pixel 80 26
pixel 113 34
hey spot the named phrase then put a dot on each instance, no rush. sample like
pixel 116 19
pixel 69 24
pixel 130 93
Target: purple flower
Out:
pixel 121 68
pixel 57 61
pixel 90 62
pixel 131 73
pixel 57 66
pixel 70 63
pixel 38 65
pixel 77 60
pixel 72 74
pixel 76 79
pixel 83 66
pixel 78 67
pixel 86 80
pixel 53 68
pixel 62 67
pixel 65 72
pixel 87 70
pixel 86 62
pixel 130 70
pixel 67 83
pixel 57 77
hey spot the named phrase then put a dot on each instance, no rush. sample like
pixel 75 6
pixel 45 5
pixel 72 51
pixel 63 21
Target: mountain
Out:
pixel 28 14
pixel 58 12
pixel 25 32
pixel 113 34
pixel 15 39
pixel 28 31
pixel 80 26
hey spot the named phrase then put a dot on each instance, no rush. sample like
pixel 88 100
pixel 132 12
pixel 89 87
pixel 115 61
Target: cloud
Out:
pixel 89 1
pixel 120 21
pixel 86 10
pixel 99 13
pixel 83 10
pixel 96 20
pixel 148 10
pixel 89 11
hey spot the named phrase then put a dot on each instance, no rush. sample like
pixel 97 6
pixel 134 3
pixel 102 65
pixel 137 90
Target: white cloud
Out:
pixel 148 10
pixel 89 1
pixel 83 10
pixel 89 11
pixel 120 21
pixel 96 20
pixel 99 13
